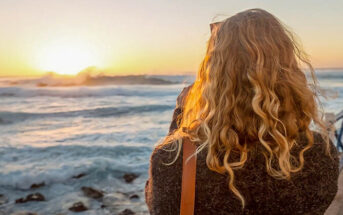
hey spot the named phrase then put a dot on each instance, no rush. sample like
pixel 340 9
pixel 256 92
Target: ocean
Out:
pixel 62 138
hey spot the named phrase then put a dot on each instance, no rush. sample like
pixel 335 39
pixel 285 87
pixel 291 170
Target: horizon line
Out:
pixel 138 74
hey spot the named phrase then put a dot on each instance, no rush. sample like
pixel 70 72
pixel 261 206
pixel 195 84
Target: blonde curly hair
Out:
pixel 251 90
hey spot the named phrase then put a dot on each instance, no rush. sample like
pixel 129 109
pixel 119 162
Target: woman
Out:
pixel 249 114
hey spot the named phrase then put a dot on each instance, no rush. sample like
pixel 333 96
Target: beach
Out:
pixel 87 146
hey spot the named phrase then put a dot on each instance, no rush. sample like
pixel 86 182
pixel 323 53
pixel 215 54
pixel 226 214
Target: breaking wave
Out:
pixel 10 117
pixel 22 166
pixel 75 92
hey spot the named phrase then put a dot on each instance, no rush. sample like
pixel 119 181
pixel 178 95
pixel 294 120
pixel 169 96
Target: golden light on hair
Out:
pixel 250 92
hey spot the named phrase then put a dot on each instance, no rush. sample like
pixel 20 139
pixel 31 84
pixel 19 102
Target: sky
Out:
pixel 145 36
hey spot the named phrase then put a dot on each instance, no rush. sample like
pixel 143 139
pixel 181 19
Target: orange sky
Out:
pixel 145 36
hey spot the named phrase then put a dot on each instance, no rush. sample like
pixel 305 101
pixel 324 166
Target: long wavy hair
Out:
pixel 251 90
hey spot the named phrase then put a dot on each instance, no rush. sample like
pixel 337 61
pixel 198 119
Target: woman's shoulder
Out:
pixel 322 147
pixel 316 183
pixel 322 156
pixel 321 168
pixel 164 149
pixel 163 187
pixel 165 156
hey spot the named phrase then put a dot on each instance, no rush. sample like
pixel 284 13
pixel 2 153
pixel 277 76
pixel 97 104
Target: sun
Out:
pixel 67 58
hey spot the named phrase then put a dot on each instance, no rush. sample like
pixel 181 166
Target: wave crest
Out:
pixel 10 117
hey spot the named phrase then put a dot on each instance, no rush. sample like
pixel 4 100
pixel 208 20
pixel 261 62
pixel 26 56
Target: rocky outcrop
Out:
pixel 79 175
pixel 127 212
pixel 31 197
pixel 129 177
pixel 78 207
pixel 34 186
pixel 92 193
pixel 134 196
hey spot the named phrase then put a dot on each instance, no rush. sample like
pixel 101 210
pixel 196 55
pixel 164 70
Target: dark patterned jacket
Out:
pixel 310 191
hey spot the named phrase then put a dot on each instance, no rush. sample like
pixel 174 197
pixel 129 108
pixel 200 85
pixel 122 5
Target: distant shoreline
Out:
pixel 141 74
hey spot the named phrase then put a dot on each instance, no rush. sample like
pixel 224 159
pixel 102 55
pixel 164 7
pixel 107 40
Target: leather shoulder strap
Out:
pixel 188 178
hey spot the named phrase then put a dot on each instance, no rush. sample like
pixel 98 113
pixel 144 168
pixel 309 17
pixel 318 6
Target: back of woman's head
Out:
pixel 251 91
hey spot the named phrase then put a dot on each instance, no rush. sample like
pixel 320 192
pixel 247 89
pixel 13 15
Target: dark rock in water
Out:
pixel 127 212
pixel 134 196
pixel 3 199
pixel 20 200
pixel 34 186
pixel 129 177
pixel 78 207
pixel 31 197
pixel 35 197
pixel 92 193
pixel 79 175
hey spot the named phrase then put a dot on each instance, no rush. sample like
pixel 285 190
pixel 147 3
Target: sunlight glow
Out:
pixel 68 58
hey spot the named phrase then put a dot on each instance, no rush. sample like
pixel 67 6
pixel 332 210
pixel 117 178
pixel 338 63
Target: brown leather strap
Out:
pixel 188 178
